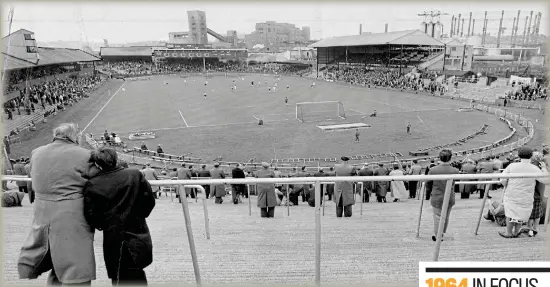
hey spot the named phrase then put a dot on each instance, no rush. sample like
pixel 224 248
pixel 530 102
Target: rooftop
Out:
pixel 126 51
pixel 408 37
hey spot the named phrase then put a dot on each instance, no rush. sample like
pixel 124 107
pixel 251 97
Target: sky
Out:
pixel 123 22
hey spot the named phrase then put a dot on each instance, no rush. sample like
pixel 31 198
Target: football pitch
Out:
pixel 225 122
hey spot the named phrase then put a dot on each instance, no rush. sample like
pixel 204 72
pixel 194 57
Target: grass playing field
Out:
pixel 225 122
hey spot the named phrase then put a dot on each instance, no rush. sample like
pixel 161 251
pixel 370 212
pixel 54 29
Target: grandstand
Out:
pixel 400 49
pixel 27 66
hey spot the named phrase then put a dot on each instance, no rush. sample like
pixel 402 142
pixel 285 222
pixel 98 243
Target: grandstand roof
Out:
pixel 51 56
pixel 408 37
pixel 14 63
pixel 126 51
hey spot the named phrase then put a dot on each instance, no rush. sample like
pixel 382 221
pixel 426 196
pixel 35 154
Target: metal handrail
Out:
pixel 332 179
pixel 318 193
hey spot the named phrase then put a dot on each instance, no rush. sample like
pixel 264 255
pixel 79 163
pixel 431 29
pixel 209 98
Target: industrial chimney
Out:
pixel 360 29
pixel 386 28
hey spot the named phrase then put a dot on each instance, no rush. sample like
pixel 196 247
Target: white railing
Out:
pixel 490 178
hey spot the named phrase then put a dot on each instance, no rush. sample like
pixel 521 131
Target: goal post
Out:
pixel 320 110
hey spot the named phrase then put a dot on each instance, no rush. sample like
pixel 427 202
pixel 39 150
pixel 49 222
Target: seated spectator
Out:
pixel 143 146
pixel 495 212
pixel 12 199
pixel 160 151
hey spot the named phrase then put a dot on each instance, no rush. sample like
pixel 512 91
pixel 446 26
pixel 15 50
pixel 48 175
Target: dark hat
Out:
pixel 344 158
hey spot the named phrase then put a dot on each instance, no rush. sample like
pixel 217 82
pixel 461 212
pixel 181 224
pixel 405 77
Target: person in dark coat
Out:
pixel 468 167
pixel 117 201
pixel 238 189
pixel 381 187
pixel 437 190
pixel 60 239
pixel 267 199
pixel 160 152
pixel 343 191
pixel 302 188
pixel 330 186
pixel 311 195
pixel 218 190
pixel 368 186
pixel 430 166
pixel 203 172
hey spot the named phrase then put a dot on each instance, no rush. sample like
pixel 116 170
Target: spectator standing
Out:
pixel 203 172
pixel 117 201
pixel 151 174
pixel 437 190
pixel 381 187
pixel 343 191
pixel 60 239
pixel 416 169
pixel 238 189
pixel 368 186
pixel 469 167
pixel 217 190
pixel 185 174
pixel 398 187
pixel 267 199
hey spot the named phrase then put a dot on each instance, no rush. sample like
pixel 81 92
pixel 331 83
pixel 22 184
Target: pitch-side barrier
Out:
pixel 318 181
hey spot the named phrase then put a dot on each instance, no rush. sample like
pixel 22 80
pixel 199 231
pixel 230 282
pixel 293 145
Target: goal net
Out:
pixel 309 111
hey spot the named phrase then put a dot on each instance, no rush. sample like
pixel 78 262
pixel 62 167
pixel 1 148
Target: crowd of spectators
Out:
pixel 387 78
pixel 140 68
pixel 527 92
pixel 18 76
pixel 59 92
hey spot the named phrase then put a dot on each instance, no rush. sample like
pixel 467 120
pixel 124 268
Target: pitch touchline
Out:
pixel 186 125
pixel 93 119
pixel 420 119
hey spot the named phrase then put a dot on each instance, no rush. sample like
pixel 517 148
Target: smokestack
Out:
pixel 458 24
pixel 528 35
pixel 452 26
pixel 473 26
pixel 469 24
pixel 386 28
pixel 360 29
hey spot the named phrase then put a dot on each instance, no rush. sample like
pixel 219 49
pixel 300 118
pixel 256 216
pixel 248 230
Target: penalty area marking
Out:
pixel 93 119
pixel 184 121
pixel 357 111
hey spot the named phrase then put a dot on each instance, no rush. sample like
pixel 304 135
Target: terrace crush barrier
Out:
pixel 317 181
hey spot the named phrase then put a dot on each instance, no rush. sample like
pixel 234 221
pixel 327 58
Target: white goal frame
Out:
pixel 339 111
